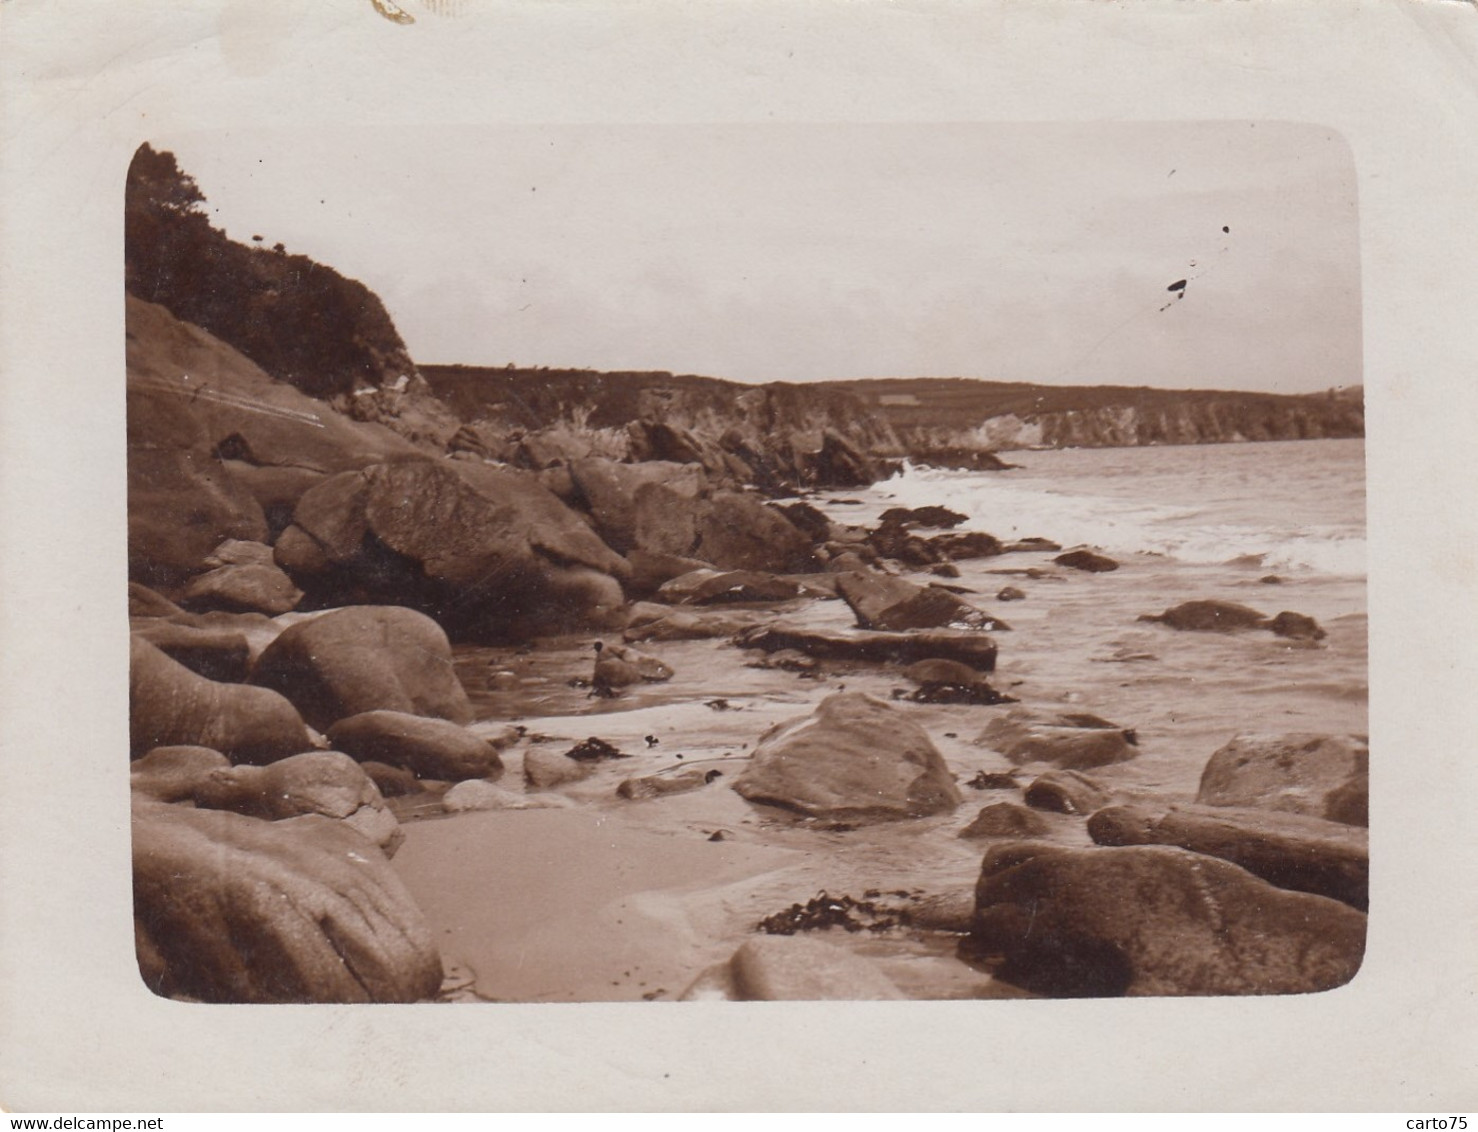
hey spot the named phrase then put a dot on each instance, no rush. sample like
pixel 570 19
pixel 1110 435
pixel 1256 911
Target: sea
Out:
pixel 1275 526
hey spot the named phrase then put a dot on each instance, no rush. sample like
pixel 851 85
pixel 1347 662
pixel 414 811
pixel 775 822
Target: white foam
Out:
pixel 1118 523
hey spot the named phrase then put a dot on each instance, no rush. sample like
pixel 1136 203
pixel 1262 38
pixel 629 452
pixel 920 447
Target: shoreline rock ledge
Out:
pixel 855 757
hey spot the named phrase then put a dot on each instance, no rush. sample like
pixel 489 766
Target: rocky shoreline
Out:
pixel 336 802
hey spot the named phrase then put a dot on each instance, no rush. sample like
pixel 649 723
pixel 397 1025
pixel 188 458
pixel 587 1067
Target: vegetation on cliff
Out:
pixel 302 322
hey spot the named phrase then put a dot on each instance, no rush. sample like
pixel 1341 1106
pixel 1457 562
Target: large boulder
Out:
pixel 1087 561
pixel 490 552
pixel 230 908
pixel 316 782
pixel 364 658
pixel 882 601
pixel 1006 819
pixel 1288 850
pixel 608 491
pixel 778 968
pixel 171 706
pixel 1069 741
pixel 1154 920
pixel 218 449
pixel 855 757
pixel 428 748
pixel 1065 792
pixel 729 530
pixel 1324 776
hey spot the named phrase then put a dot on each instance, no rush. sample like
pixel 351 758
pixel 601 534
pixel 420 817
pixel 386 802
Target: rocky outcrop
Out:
pixel 425 746
pixel 973 649
pixel 365 658
pixel 882 601
pixel 171 706
pixel 1228 617
pixel 607 491
pixel 729 530
pixel 1153 920
pixel 855 757
pixel 487 551
pixel 1006 820
pixel 1323 776
pixel 1288 850
pixel 219 449
pixel 230 908
pixel 317 782
pixel 1065 792
pixel 1069 741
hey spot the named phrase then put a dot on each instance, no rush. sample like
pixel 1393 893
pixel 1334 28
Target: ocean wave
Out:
pixel 1014 508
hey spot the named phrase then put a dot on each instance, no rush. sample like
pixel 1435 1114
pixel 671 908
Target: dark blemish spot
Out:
pixel 1224 228
pixel 1178 285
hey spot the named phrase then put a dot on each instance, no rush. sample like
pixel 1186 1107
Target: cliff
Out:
pixel 929 414
pixel 300 321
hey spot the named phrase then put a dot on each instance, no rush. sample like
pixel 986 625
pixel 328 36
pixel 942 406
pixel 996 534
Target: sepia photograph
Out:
pixel 764 562
pixel 784 556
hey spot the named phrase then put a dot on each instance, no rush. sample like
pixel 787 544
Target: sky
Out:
pixel 782 252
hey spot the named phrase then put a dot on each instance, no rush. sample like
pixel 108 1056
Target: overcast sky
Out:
pixel 800 252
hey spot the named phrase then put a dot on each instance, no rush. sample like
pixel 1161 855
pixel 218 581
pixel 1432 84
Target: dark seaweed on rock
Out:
pixel 823 911
pixel 593 749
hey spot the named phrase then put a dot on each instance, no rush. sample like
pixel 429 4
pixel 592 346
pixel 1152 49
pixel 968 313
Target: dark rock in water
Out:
pixel 594 749
pixel 1026 545
pixel 650 622
pixel 1011 593
pixel 976 692
pixel 171 706
pixel 810 521
pixel 235 909
pixel 316 782
pixel 931 516
pixel 608 491
pixel 714 587
pixel 995 780
pixel 961 459
pixel 1071 742
pixel 938 671
pixel 617 667
pixel 966 544
pixel 243 589
pixel 894 540
pixel 840 464
pixel 1323 776
pixel 1006 819
pixel 1297 627
pixel 794 969
pixel 945 570
pixel 216 654
pixel 1299 853
pixel 1209 617
pixel 544 770
pixel 1086 560
pixel 969 647
pixel 170 774
pixel 657 785
pixel 424 746
pixel 1154 920
pixel 881 601
pixel 392 781
pixel 1271 580
pixel 854 757
pixel 1065 792
pixel 365 658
